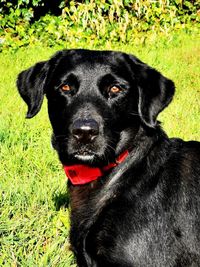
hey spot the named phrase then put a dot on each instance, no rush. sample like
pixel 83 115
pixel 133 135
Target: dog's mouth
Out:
pixel 85 156
pixel 73 153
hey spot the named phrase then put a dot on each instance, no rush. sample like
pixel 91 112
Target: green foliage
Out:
pixel 94 21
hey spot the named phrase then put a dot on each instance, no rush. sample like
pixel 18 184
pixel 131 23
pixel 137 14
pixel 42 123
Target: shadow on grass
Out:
pixel 61 200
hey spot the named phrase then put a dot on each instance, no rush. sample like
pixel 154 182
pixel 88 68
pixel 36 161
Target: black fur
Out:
pixel 146 211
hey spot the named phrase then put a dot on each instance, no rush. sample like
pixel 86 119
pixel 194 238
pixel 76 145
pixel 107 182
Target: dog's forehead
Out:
pixel 90 62
pixel 92 69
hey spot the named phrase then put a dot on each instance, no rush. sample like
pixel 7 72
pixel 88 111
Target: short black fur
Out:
pixel 146 211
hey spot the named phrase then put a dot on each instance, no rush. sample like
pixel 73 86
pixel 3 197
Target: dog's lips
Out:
pixel 84 155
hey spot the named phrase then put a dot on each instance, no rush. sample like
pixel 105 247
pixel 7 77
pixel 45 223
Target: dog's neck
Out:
pixel 81 174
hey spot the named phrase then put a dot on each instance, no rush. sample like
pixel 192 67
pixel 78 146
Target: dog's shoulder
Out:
pixel 192 146
pixel 188 151
pixel 182 170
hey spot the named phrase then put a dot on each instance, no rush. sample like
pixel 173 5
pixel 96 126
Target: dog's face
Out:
pixel 97 100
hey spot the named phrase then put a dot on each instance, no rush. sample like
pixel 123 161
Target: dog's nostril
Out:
pixel 85 130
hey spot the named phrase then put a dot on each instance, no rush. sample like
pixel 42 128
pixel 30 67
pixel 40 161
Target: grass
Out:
pixel 34 216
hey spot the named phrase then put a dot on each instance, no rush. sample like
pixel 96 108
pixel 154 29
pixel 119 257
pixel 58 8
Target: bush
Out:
pixel 27 22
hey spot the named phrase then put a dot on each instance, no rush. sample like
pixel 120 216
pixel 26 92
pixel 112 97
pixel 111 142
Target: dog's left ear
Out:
pixel 30 85
pixel 155 91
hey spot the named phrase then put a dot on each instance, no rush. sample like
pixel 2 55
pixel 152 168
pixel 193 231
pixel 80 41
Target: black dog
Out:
pixel 135 193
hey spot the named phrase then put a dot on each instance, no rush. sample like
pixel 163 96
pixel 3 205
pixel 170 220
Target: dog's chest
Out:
pixel 119 237
pixel 124 232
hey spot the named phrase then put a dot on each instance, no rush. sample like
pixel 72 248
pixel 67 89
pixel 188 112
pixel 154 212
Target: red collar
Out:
pixel 83 174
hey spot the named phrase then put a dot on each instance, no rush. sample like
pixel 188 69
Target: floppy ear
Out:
pixel 155 92
pixel 30 85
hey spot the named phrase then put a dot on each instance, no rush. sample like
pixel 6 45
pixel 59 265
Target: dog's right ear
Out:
pixel 30 84
pixel 155 91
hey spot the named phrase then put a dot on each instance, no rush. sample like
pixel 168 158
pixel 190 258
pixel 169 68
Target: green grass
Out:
pixel 34 217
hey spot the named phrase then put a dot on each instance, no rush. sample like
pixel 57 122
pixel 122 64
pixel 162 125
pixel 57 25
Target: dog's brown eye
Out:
pixel 115 90
pixel 66 87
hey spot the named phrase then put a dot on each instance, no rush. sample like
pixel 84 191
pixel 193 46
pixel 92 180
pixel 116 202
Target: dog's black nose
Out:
pixel 85 130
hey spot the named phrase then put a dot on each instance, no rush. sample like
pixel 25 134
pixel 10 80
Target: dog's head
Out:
pixel 97 100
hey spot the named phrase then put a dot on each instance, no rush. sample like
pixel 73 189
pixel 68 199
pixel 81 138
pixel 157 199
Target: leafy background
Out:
pixel 98 22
